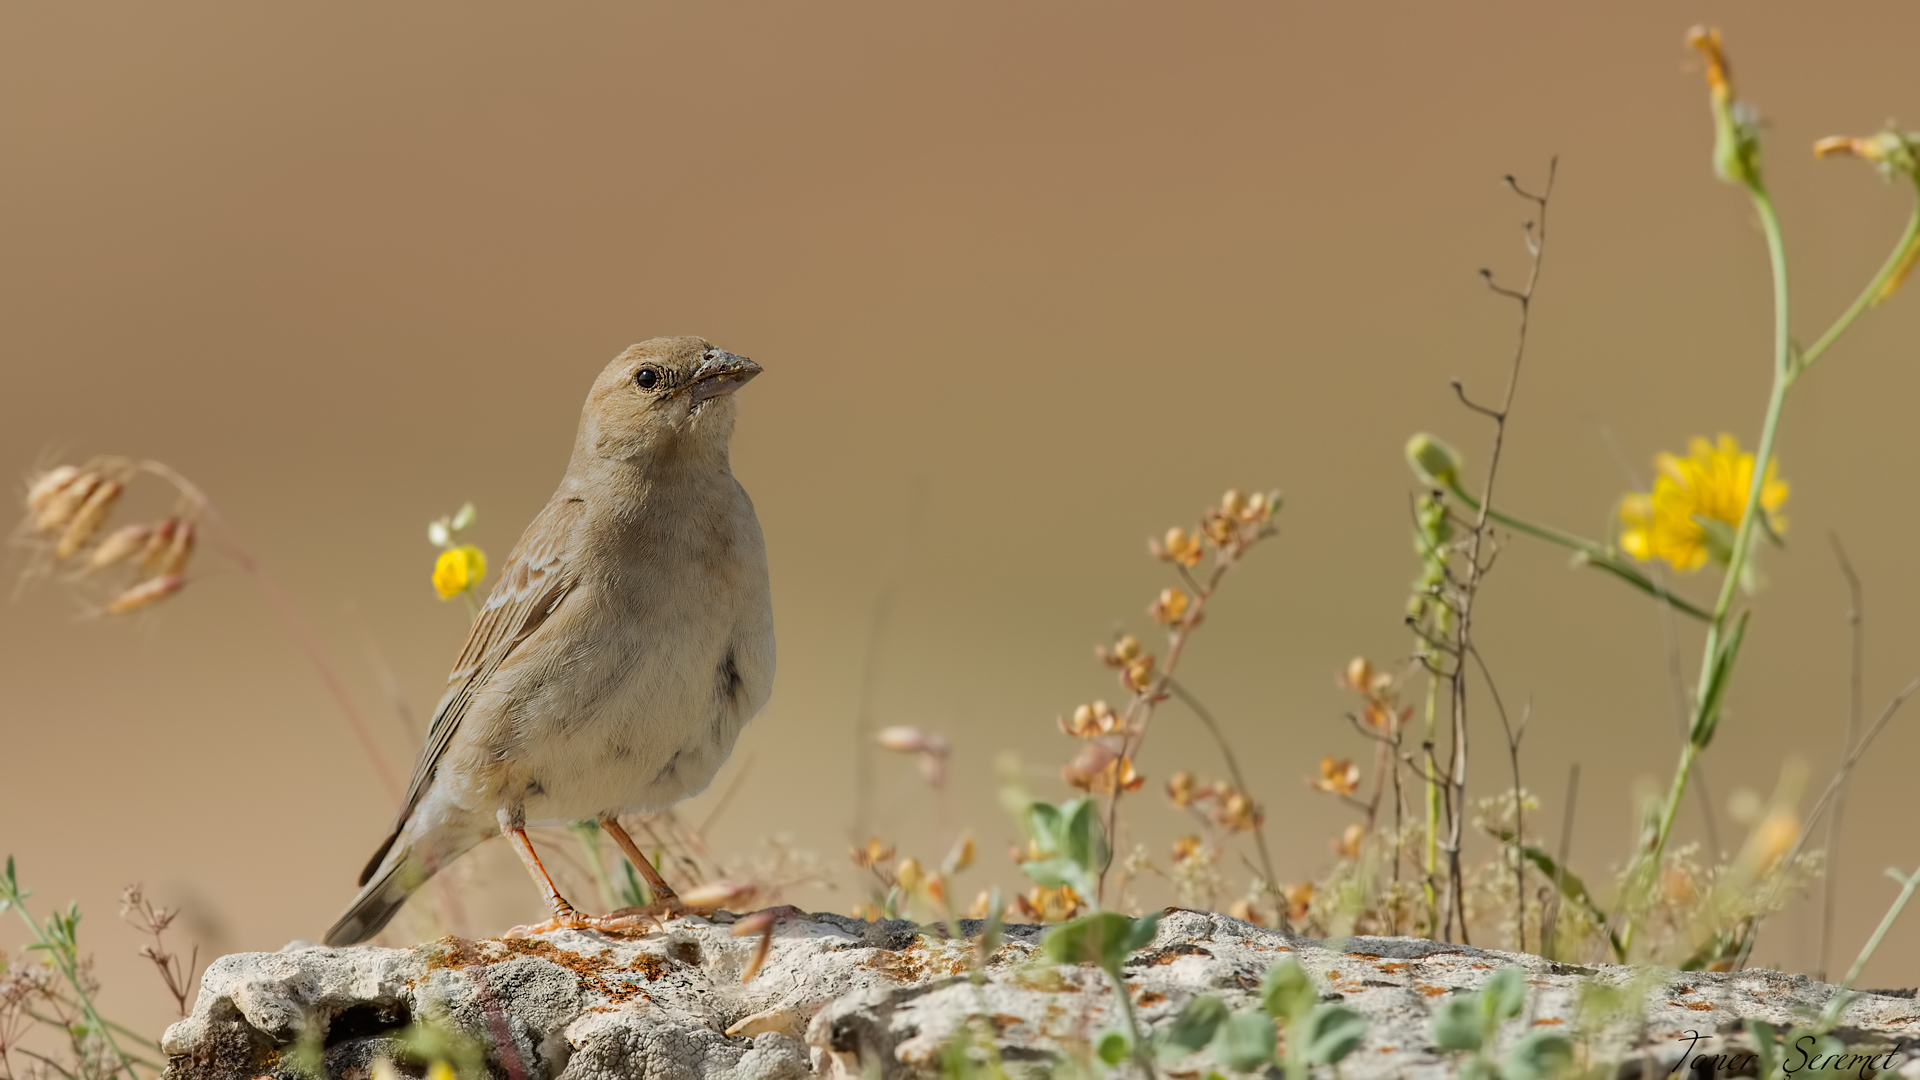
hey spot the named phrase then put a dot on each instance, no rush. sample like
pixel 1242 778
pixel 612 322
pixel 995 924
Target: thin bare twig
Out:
pixel 1477 538
pixel 1233 769
pixel 1856 675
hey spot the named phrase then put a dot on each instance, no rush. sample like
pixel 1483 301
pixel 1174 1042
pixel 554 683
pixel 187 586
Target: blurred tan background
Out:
pixel 1029 282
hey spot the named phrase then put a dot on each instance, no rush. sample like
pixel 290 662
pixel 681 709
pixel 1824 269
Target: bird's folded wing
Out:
pixel 537 577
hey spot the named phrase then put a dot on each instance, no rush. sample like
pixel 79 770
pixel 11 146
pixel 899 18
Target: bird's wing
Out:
pixel 530 588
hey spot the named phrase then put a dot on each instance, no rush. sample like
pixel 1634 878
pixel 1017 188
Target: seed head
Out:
pixel 41 489
pixel 118 545
pixel 179 549
pixel 62 503
pixel 150 591
pixel 88 519
pixel 159 541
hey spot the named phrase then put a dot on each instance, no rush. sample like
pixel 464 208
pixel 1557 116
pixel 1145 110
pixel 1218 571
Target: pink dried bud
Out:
pixel 180 550
pixel 901 740
pixel 716 894
pixel 150 591
pixel 757 923
pixel 154 555
pixel 119 544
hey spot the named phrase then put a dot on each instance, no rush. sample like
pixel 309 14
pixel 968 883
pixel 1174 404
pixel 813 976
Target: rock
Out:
pixel 842 998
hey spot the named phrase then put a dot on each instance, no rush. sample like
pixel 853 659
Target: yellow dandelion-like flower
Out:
pixel 458 569
pixel 1694 503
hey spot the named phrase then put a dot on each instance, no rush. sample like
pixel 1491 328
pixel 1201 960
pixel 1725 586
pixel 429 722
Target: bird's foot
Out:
pixel 656 913
pixel 624 921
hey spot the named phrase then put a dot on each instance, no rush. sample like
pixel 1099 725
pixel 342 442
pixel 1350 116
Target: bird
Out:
pixel 625 643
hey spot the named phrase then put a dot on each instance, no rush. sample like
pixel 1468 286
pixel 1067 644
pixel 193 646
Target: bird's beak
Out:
pixel 721 372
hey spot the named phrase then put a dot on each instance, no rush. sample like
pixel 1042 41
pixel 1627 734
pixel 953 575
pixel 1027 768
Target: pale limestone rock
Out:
pixel 842 998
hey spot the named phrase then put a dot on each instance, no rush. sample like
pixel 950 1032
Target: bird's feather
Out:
pixel 532 585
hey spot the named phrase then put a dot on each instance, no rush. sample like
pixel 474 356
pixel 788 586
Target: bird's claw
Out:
pixel 625 920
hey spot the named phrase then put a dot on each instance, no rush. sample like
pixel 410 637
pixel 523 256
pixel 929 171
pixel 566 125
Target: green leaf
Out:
pixel 1143 933
pixel 1764 1046
pixel 1503 997
pixel 1717 537
pixel 1570 885
pixel 1054 873
pixel 1288 994
pixel 1043 825
pixel 463 517
pixel 1194 1027
pixel 1246 1041
pixel 1104 938
pixel 1458 1023
pixel 1538 1055
pixel 1716 689
pixel 1332 1032
pixel 1085 841
pixel 1113 1047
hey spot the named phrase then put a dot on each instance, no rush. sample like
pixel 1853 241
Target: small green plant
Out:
pixel 1469 1024
pixel 1245 1041
pixel 1069 846
pixel 97 1045
pixel 1105 939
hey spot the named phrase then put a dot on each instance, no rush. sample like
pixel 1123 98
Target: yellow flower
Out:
pixel 1695 503
pixel 458 569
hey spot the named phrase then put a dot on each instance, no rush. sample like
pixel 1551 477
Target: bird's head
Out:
pixel 667 396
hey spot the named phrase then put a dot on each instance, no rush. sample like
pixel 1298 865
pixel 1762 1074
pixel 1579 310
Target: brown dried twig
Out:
pixel 178 975
pixel 1477 541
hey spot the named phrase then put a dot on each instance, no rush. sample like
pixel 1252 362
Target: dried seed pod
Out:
pixel 119 544
pixel 48 484
pixel 180 550
pixel 88 519
pixel 158 542
pixel 151 591
pixel 61 505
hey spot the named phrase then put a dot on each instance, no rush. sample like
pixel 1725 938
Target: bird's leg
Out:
pixel 564 914
pixel 663 894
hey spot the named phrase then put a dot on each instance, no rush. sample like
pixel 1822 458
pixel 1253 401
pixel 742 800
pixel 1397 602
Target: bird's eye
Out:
pixel 646 378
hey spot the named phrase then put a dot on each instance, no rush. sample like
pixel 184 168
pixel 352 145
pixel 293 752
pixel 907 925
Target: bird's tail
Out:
pixel 399 873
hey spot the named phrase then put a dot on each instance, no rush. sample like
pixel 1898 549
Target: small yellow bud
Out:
pixel 458 569
pixel 960 857
pixel 1233 504
pixel 1170 608
pixel 1433 461
pixel 909 875
pixel 1126 649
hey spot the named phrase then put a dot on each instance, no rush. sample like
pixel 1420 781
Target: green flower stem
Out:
pixel 1869 295
pixel 1786 369
pixel 1908 882
pixel 1593 554
pixel 1713 673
